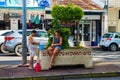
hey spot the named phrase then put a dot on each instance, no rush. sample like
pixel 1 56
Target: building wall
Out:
pixel 113 16
pixel 114 3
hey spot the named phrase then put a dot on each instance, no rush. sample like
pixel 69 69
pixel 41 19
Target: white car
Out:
pixel 3 33
pixel 13 42
pixel 110 41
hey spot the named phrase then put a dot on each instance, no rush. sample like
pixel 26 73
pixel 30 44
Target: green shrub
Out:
pixel 65 33
pixel 65 14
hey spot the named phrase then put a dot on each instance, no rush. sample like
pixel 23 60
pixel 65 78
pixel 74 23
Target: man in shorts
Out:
pixel 32 46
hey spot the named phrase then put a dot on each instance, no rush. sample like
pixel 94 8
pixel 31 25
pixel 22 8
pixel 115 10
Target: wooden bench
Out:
pixel 68 57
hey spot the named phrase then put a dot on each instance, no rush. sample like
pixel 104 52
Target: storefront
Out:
pixel 4 21
pixel 88 29
pixel 11 18
pixel 13 8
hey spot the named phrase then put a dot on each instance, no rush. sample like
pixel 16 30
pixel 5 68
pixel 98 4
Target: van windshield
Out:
pixel 107 35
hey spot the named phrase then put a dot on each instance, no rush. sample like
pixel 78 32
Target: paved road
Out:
pixel 103 78
pixel 98 56
pixel 10 59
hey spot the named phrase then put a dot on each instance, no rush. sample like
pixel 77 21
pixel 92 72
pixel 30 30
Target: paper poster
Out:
pixel 14 24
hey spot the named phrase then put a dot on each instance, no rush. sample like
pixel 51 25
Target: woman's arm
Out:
pixel 52 42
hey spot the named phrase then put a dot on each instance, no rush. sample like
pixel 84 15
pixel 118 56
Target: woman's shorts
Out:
pixel 59 47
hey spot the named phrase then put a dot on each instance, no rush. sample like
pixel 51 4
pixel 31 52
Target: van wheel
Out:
pixel 3 50
pixel 113 47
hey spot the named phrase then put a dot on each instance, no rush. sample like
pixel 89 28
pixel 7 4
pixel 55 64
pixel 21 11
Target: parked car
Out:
pixel 13 42
pixel 3 33
pixel 110 41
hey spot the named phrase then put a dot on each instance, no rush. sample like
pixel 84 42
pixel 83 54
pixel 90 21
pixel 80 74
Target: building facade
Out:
pixel 114 16
pixel 11 13
pixel 11 18
pixel 89 28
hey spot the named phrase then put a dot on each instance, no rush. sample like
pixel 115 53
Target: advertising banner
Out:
pixel 30 3
pixel 2 2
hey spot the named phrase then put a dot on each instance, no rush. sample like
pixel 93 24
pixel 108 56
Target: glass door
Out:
pixel 85 33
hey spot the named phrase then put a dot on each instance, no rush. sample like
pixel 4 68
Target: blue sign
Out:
pixel 43 3
pixel 30 3
pixel 2 2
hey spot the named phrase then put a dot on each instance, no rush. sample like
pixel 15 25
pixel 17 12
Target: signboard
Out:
pixel 14 24
pixel 30 3
pixel 2 2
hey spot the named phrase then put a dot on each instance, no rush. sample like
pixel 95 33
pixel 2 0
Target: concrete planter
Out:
pixel 68 57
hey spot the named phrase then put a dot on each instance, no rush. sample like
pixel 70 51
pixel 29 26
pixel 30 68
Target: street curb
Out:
pixel 92 75
pixel 64 76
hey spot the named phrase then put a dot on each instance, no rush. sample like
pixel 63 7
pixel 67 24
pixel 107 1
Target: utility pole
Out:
pixel 24 42
pixel 106 16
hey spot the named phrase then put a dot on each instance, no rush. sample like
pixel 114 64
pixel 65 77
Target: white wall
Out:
pixel 114 3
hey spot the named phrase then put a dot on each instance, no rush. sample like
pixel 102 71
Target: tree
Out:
pixel 65 14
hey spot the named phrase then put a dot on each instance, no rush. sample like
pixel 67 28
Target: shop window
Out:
pixel 112 29
pixel 48 23
pixel 47 12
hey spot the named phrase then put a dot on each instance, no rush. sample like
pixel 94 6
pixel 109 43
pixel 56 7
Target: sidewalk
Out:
pixel 101 69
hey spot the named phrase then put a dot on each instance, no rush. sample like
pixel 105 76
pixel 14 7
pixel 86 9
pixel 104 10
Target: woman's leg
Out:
pixel 56 50
pixel 50 51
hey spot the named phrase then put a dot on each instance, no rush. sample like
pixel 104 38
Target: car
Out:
pixel 3 33
pixel 13 42
pixel 110 41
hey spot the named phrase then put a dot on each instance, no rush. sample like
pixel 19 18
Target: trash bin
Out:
pixel 94 43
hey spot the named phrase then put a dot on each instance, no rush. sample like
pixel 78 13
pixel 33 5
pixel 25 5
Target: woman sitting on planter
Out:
pixel 55 47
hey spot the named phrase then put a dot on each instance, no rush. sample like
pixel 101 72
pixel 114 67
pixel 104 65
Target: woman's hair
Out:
pixel 58 31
